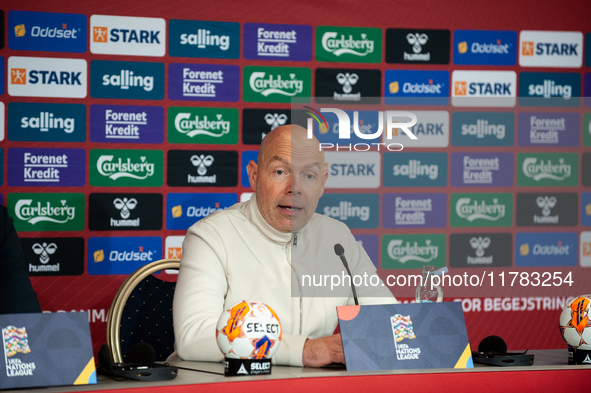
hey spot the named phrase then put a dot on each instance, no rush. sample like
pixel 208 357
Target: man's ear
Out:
pixel 253 171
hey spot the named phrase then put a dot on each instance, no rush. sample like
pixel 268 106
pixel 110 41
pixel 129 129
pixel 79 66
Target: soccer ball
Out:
pixel 249 330
pixel 575 323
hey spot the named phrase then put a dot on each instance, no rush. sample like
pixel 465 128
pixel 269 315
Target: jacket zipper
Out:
pixel 287 254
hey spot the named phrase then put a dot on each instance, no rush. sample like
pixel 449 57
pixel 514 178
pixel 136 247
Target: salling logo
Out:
pixel 25 210
pixel 417 40
pixel 44 250
pixel 412 211
pixel 538 171
pixel 203 38
pixel 480 244
pixel 121 35
pixel 120 168
pixel 415 169
pixel 275 120
pixel 346 210
pixel 214 128
pixel 546 130
pixel 201 83
pixel 202 162
pixel 550 88
pixel 267 85
pixel 546 204
pixel 127 79
pixel 483 128
pixel 473 210
pixel 347 81
pixel 479 170
pixel 48 121
pixel 405 252
pixel 340 45
pixel 125 206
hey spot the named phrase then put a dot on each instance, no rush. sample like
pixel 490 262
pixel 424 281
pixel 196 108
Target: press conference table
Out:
pixel 549 373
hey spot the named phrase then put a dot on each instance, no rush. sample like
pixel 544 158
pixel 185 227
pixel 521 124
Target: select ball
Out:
pixel 249 330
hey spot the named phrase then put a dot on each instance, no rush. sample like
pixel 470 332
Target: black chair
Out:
pixel 141 312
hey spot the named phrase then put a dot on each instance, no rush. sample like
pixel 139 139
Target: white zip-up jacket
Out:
pixel 235 255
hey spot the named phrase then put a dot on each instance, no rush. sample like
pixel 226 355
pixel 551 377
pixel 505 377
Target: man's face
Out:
pixel 288 180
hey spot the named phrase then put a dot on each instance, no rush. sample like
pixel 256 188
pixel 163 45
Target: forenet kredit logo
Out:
pixel 26 211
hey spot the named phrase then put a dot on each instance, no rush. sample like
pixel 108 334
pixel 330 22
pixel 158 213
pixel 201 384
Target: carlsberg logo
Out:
pixel 471 211
pixel 404 251
pixel 269 84
pixel 216 127
pixel 537 171
pixel 340 45
pixel 32 213
pixel 118 168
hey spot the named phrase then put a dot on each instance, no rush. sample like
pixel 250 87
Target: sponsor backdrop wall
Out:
pixel 122 123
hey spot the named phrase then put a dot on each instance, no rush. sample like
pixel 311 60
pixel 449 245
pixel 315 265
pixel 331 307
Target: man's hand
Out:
pixel 323 351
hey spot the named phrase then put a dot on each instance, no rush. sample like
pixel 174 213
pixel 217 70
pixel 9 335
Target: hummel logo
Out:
pixel 416 40
pixel 546 203
pixel 275 119
pixel 44 251
pixel 480 244
pixel 125 206
pixel 347 80
pixel 202 162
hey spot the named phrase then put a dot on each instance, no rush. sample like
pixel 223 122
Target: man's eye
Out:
pixel 279 172
pixel 310 176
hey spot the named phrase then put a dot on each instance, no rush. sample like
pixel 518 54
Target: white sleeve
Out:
pixel 199 295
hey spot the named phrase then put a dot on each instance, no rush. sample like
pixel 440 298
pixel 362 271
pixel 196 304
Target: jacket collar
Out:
pixel 254 215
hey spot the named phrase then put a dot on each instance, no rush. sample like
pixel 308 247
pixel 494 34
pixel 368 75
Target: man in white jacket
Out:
pixel 262 249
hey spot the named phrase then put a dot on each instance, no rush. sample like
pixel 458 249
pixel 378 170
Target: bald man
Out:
pixel 253 250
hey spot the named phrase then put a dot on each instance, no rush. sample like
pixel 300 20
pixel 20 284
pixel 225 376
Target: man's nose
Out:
pixel 294 185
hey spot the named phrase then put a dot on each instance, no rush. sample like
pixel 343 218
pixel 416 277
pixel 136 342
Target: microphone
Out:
pixel 340 251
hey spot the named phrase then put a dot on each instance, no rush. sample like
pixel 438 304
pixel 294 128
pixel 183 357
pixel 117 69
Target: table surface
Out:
pixel 554 360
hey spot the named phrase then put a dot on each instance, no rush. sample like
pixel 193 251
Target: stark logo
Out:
pixel 275 119
pixel 174 253
pixel 527 48
pixel 44 251
pixel 460 88
pixel 202 162
pixel 125 205
pixel 99 34
pixel 347 81
pixel 417 40
pixel 18 76
pixel 480 244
